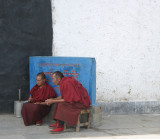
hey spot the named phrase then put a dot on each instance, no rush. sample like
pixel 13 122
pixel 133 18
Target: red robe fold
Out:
pixel 76 98
pixel 31 112
pixel 40 95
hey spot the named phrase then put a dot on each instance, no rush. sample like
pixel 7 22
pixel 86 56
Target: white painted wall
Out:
pixel 123 36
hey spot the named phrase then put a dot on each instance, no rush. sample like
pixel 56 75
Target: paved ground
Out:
pixel 113 127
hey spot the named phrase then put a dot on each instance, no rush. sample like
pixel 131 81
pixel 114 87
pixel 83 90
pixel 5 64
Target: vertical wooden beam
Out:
pixel 78 123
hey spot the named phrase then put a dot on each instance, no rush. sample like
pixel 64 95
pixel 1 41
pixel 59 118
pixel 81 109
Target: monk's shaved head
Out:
pixel 40 79
pixel 58 74
pixel 43 76
pixel 56 77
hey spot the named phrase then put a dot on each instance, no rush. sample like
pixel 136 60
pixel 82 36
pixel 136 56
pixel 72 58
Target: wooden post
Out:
pixel 78 123
pixel 65 126
pixel 89 119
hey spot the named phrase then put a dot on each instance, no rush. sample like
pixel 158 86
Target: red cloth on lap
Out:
pixel 67 112
pixel 31 112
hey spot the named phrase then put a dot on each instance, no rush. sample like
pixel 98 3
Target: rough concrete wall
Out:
pixel 123 36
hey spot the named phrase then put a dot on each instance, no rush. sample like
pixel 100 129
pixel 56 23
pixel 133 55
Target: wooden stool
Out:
pixel 87 123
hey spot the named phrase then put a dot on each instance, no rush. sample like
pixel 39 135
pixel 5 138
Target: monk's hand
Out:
pixel 42 103
pixel 30 99
pixel 49 101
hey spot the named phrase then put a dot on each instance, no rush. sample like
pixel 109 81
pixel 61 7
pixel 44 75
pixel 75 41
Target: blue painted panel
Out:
pixel 82 69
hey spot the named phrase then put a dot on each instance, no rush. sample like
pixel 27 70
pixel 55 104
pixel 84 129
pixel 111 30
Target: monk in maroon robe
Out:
pixel 36 108
pixel 74 97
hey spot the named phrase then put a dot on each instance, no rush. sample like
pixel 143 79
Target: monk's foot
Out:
pixel 38 123
pixel 57 130
pixel 54 125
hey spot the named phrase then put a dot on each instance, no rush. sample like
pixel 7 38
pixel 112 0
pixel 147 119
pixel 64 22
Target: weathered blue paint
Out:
pixel 82 69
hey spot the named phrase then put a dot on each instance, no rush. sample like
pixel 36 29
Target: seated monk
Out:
pixel 36 108
pixel 74 97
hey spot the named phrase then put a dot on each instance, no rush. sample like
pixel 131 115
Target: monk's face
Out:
pixel 40 81
pixel 56 80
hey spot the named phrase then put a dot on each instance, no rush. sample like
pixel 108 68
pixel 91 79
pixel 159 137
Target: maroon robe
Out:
pixel 31 112
pixel 76 98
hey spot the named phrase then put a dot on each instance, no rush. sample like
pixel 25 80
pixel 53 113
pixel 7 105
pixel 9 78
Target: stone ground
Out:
pixel 113 127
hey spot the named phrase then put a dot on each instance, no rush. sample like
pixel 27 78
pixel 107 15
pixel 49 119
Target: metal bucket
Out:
pixel 17 108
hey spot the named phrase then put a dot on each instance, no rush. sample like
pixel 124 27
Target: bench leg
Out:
pixel 78 124
pixel 89 119
pixel 65 126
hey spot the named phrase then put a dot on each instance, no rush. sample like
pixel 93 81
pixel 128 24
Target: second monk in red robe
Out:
pixel 74 97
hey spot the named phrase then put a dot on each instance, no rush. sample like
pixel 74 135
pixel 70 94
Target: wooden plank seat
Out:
pixel 79 124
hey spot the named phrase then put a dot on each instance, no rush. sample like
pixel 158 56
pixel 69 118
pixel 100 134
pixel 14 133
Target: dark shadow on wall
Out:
pixel 25 30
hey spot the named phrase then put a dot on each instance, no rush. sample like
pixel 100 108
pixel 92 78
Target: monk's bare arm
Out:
pixel 42 103
pixel 57 98
pixel 51 101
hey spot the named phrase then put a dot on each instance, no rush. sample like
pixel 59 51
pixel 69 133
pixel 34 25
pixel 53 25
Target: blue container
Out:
pixel 82 69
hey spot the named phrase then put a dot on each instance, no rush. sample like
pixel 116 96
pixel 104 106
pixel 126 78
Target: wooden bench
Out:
pixel 79 124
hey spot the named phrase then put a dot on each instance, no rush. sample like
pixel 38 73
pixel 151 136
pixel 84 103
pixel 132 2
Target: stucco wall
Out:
pixel 123 36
